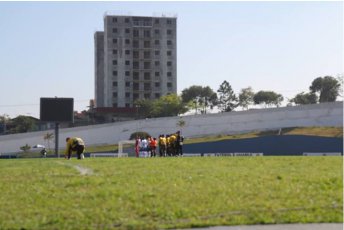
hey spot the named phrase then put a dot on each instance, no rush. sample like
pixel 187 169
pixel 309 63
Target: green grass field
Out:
pixel 138 193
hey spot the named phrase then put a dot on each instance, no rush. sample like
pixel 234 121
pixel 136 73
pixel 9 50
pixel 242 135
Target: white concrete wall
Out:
pixel 326 114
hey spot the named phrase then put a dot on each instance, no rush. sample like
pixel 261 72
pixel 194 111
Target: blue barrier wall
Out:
pixel 270 145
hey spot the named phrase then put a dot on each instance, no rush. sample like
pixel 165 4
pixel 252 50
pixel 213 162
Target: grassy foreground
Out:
pixel 131 193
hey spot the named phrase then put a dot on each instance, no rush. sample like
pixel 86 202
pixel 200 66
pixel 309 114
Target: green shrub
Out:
pixel 139 134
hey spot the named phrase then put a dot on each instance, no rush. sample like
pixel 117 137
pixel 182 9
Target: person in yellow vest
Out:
pixel 172 141
pixel 74 144
pixel 168 146
pixel 162 145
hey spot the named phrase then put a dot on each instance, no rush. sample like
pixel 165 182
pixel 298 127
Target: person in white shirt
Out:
pixel 144 146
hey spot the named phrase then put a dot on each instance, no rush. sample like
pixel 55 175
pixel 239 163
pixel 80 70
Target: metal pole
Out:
pixel 57 140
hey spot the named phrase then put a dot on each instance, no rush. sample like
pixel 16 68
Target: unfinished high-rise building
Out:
pixel 135 58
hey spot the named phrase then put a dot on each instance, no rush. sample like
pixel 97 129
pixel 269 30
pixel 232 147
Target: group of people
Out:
pixel 169 145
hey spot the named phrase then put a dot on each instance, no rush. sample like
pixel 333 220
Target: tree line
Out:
pixel 202 98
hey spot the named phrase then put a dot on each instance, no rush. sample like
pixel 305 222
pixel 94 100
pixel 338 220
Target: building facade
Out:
pixel 135 58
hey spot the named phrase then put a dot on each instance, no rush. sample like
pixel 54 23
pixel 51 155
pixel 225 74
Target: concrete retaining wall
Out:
pixel 325 114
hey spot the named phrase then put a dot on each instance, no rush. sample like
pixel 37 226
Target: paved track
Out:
pixel 324 226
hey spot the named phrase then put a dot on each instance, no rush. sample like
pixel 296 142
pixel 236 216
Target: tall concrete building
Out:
pixel 135 58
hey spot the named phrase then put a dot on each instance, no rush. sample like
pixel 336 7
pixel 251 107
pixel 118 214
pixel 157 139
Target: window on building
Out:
pixel 136 44
pixel 127 84
pixel 169 84
pixel 146 44
pixel 135 33
pixel 168 21
pixel 127 41
pixel 114 41
pixel 114 19
pixel 157 52
pixel 135 96
pixel 157 84
pixel 169 74
pixel 157 95
pixel 146 65
pixel 135 54
pixel 127 31
pixel 127 105
pixel 146 54
pixel 114 52
pixel 157 74
pixel 146 33
pixel 114 105
pixel 127 95
pixel 169 32
pixel 156 42
pixel 147 86
pixel 156 21
pixel 136 76
pixel 169 63
pixel 114 62
pixel 114 30
pixel 114 73
pixel 136 65
pixel 147 76
pixel 156 32
pixel 126 20
pixel 114 83
pixel 136 86
pixel 114 94
pixel 157 63
pixel 169 53
pixel 147 95
pixel 127 62
pixel 169 42
pixel 127 73
pixel 127 52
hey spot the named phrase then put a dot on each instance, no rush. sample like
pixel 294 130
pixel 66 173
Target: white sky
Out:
pixel 47 48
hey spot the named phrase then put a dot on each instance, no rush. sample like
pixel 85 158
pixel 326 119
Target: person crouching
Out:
pixel 74 144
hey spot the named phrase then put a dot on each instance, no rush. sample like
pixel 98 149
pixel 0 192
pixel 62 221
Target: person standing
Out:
pixel 153 145
pixel 74 144
pixel 137 146
pixel 162 145
pixel 44 153
pixel 179 144
pixel 144 147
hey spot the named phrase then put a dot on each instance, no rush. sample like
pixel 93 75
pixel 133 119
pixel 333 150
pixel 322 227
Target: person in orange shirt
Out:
pixel 153 145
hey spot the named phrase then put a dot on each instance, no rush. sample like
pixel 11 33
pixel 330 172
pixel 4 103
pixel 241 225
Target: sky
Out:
pixel 47 48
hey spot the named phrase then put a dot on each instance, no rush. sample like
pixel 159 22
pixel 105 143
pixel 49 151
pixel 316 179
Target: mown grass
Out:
pixel 309 131
pixel 158 193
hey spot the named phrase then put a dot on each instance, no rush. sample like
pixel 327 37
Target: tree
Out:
pixel 4 119
pixel 340 79
pixel 181 123
pixel 268 98
pixel 25 148
pixel 327 87
pixel 191 93
pixel 227 101
pixel 48 137
pixel 168 105
pixel 144 108
pixel 305 98
pixel 200 97
pixel 246 97
pixel 23 124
